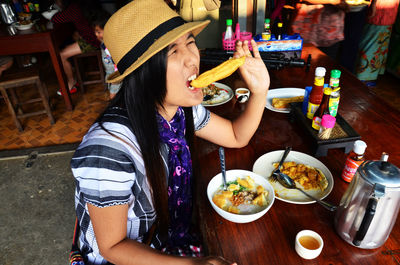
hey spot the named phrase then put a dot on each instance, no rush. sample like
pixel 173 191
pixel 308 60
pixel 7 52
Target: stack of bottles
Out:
pixel 27 6
pixel 229 37
pixel 279 41
pixel 323 101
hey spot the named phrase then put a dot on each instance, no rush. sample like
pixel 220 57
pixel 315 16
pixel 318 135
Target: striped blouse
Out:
pixel 110 171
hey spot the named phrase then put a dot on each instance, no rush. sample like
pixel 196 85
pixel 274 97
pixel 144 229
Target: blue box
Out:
pixel 292 43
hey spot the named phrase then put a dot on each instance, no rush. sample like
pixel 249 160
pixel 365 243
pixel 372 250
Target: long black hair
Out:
pixel 141 93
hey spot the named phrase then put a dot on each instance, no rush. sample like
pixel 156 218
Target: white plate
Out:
pixel 23 27
pixel 214 101
pixel 264 166
pixel 282 93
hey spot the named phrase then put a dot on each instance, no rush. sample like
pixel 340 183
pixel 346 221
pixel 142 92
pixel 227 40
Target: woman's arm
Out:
pixel 109 225
pixel 238 133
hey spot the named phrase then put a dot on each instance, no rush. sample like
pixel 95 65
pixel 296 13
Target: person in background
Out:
pixel 5 63
pixel 393 62
pixel 321 22
pixel 98 24
pixel 133 169
pixel 373 48
pixel 353 25
pixel 76 12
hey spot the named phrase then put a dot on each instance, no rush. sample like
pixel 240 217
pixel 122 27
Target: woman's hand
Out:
pixel 253 71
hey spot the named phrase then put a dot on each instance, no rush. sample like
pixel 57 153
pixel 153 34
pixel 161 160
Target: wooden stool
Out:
pixel 8 82
pixel 99 72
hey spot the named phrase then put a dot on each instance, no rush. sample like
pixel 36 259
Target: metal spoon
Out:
pixel 289 183
pixel 277 170
pixel 222 161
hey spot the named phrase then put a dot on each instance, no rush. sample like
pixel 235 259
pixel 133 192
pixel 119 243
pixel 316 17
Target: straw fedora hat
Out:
pixel 139 30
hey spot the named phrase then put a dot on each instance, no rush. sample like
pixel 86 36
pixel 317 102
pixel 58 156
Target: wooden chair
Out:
pixel 8 84
pixel 80 73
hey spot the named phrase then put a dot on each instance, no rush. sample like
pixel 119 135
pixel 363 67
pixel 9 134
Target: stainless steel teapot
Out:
pixel 369 207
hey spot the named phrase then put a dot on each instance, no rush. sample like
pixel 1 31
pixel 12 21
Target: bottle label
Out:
pixel 350 169
pixel 333 106
pixel 312 108
pixel 319 81
pixel 334 83
pixel 266 36
pixel 316 123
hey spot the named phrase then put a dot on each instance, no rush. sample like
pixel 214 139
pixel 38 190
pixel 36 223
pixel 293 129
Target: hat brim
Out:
pixel 171 36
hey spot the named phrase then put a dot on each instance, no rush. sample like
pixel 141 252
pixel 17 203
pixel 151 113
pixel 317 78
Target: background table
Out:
pixel 40 38
pixel 270 239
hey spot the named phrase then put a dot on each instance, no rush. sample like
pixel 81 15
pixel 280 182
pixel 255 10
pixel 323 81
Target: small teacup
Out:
pixel 242 94
pixel 308 244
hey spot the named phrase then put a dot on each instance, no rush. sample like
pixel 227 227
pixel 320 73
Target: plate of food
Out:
pixel 216 94
pixel 278 99
pixel 309 173
pixel 23 25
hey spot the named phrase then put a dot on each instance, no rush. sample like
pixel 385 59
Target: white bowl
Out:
pixel 232 175
pixel 49 14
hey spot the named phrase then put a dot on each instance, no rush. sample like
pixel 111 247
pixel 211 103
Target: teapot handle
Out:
pixel 369 214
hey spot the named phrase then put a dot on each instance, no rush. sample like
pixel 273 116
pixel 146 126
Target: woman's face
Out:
pixel 182 66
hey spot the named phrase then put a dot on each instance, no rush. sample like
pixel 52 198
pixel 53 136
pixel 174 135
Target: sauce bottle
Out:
pixel 279 31
pixel 317 92
pixel 354 160
pixel 266 34
pixel 322 109
pixel 228 32
pixel 335 95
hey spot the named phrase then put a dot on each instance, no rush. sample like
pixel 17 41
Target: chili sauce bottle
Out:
pixel 322 109
pixel 335 95
pixel 354 160
pixel 317 92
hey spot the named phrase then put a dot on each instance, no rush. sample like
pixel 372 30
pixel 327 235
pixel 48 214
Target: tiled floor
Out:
pixel 71 126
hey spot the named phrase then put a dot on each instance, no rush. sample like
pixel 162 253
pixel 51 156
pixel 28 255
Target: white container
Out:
pixel 232 175
pixel 308 244
pixel 242 94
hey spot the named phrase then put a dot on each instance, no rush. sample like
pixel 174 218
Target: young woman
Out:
pixel 133 168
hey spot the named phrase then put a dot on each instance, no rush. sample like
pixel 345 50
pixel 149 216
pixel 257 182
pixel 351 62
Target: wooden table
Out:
pixel 270 239
pixel 40 38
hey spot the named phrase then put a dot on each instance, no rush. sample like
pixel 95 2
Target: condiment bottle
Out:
pixel 266 34
pixel 327 124
pixel 228 32
pixel 317 92
pixel 354 160
pixel 322 109
pixel 279 31
pixel 335 95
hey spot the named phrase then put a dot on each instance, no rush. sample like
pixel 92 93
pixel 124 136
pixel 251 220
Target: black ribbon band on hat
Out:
pixel 147 41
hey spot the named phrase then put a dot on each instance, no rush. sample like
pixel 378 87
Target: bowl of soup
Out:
pixel 248 196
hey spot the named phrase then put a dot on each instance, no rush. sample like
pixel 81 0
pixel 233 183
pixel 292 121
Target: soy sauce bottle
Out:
pixel 322 109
